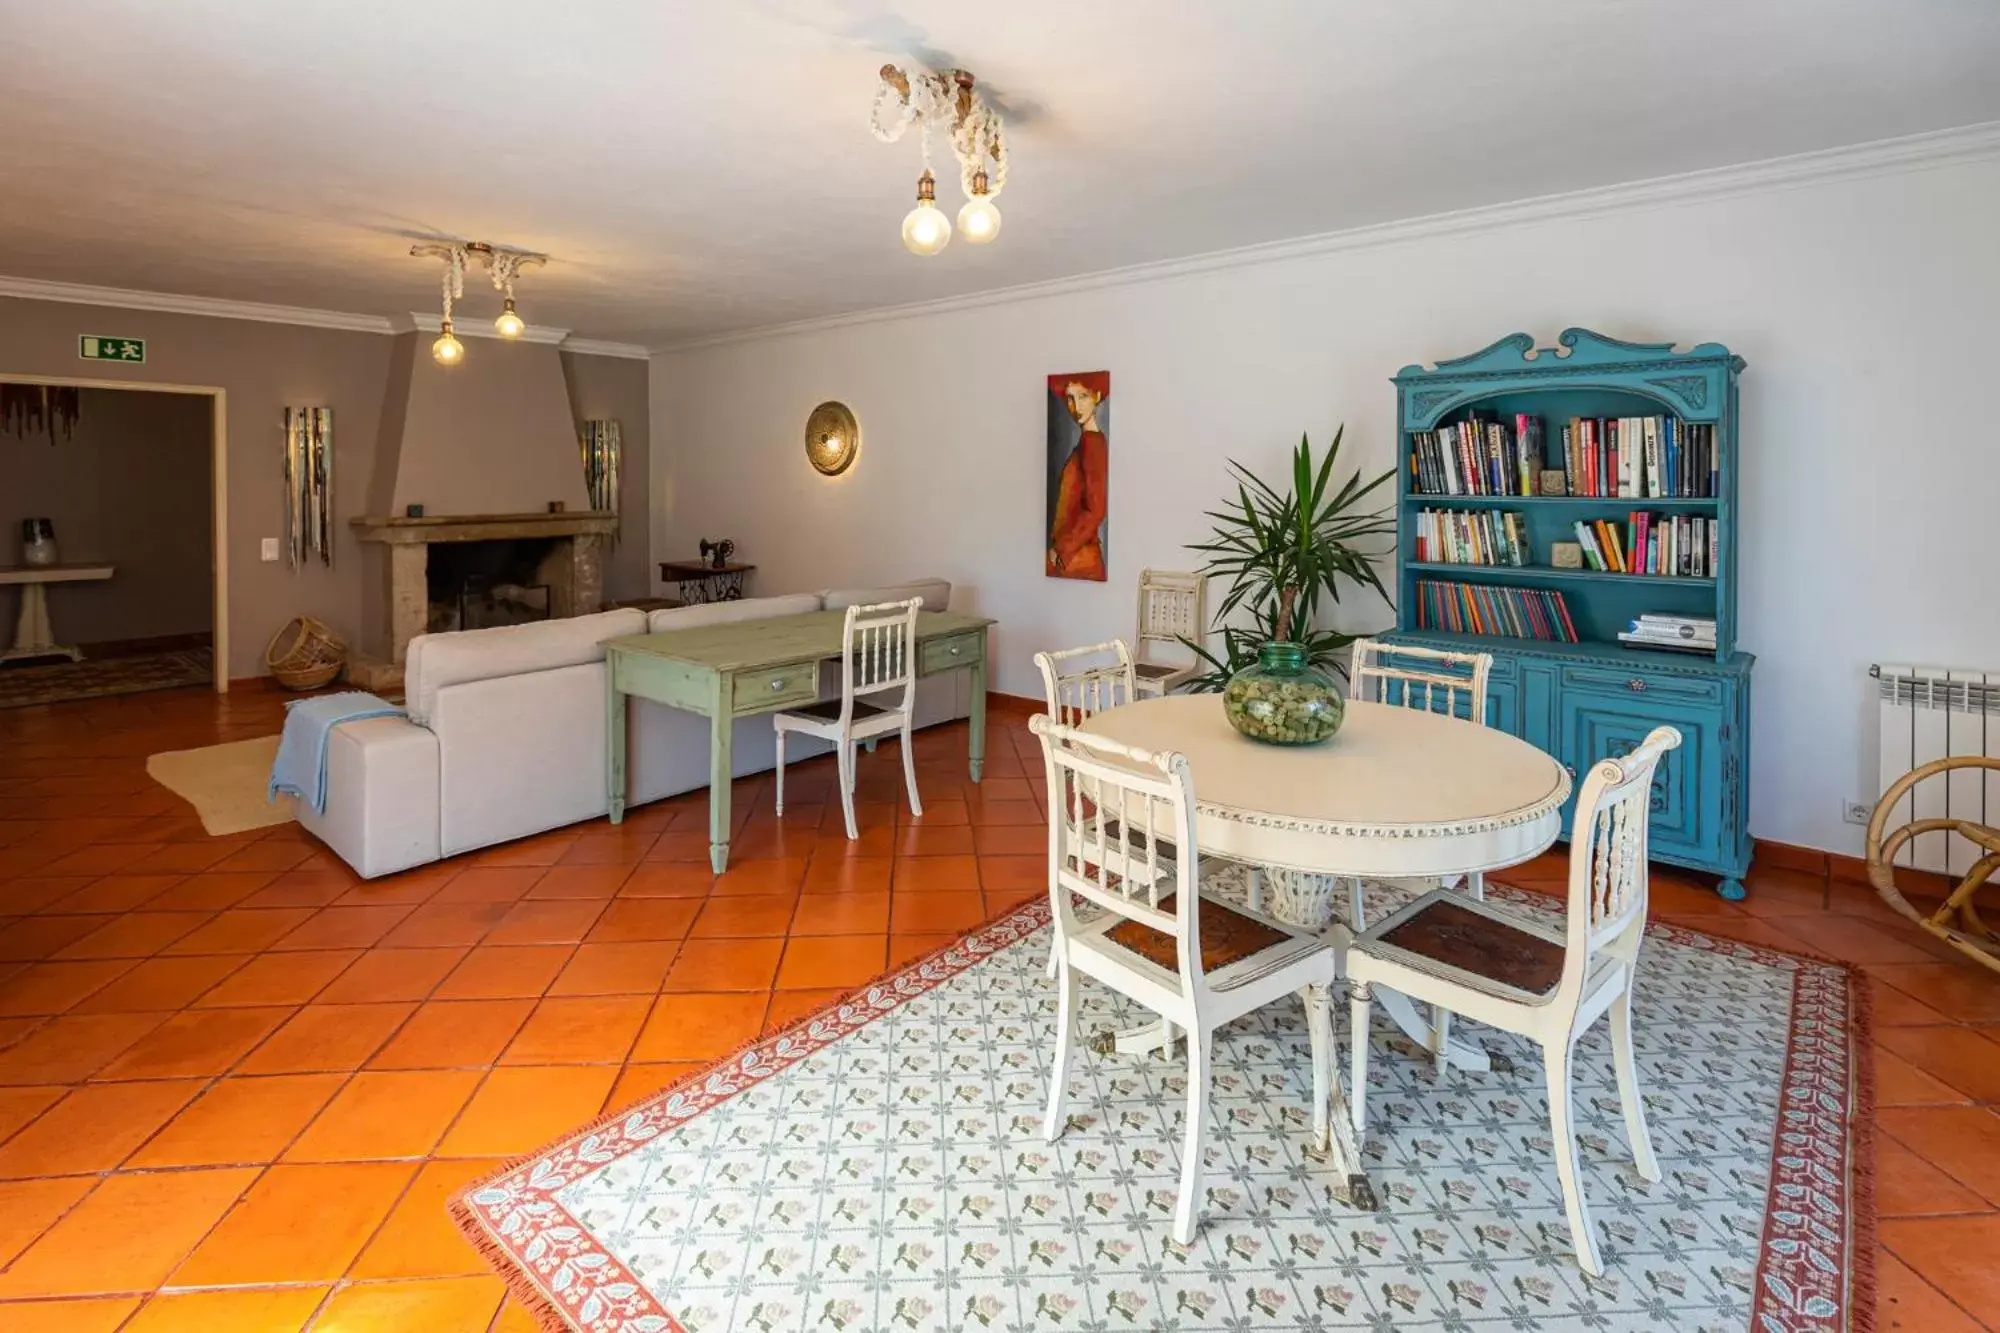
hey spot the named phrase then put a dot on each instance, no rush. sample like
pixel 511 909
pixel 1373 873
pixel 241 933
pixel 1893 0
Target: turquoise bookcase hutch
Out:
pixel 1599 697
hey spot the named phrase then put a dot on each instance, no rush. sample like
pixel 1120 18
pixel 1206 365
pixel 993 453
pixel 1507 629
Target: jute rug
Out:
pixel 59 682
pixel 880 1166
pixel 225 784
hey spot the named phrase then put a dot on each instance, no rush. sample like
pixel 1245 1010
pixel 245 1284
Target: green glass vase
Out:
pixel 1283 699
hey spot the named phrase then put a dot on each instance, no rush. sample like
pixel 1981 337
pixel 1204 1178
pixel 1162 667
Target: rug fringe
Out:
pixel 548 1316
pixel 1862 1292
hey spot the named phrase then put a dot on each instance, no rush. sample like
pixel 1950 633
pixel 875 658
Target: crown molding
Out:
pixel 422 321
pixel 125 298
pixel 1939 148
pixel 72 293
pixel 598 347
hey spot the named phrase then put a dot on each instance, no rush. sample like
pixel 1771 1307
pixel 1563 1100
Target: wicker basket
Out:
pixel 305 654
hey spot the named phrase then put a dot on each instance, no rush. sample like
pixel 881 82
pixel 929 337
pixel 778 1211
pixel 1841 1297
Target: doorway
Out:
pixel 113 519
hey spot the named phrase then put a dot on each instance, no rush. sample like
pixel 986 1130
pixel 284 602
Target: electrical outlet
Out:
pixel 268 552
pixel 1856 812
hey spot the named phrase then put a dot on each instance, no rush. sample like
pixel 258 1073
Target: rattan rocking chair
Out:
pixel 1970 936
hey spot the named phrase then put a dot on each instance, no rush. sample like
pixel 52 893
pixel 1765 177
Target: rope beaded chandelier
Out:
pixel 951 102
pixel 502 264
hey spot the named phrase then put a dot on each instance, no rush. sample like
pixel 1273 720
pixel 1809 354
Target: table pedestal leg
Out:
pixel 33 636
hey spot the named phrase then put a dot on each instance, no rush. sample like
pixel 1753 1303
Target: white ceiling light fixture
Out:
pixel 978 137
pixel 502 264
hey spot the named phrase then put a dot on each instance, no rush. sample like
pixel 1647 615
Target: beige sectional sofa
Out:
pixel 505 735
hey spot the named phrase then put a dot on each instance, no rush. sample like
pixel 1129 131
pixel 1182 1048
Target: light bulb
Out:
pixel 926 230
pixel 448 350
pixel 979 220
pixel 509 324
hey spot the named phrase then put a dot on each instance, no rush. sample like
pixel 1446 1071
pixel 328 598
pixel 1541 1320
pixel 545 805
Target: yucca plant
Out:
pixel 1281 551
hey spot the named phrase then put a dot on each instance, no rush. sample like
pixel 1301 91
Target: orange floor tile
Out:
pixel 237 1083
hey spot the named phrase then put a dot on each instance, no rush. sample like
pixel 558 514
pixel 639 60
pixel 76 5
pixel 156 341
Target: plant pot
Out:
pixel 1282 699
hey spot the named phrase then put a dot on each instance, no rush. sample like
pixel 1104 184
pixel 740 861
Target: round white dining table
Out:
pixel 1396 793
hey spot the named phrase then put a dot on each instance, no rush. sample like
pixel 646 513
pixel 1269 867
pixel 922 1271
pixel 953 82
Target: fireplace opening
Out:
pixel 480 584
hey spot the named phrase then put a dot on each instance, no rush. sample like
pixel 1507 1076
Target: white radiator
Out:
pixel 1930 713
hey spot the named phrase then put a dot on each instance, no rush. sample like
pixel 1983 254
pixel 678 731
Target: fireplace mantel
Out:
pixel 482 527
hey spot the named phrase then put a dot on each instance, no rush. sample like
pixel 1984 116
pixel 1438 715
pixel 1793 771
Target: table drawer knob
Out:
pixel 956 650
pixel 777 684
pixel 1636 685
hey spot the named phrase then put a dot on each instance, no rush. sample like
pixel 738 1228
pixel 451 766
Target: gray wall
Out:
pixel 130 487
pixel 264 367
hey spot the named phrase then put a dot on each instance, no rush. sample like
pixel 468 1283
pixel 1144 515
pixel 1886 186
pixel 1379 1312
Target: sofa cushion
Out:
pixel 438 660
pixel 729 613
pixel 936 595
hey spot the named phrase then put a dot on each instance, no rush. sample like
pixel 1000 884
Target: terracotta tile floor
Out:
pixel 237 1084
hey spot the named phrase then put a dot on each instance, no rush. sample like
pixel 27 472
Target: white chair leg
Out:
pixel 1629 1096
pixel 847 766
pixel 1440 1037
pixel 1357 912
pixel 1359 1009
pixel 1188 1209
pixel 910 769
pixel 1319 1029
pixel 1562 1131
pixel 780 781
pixel 1057 1118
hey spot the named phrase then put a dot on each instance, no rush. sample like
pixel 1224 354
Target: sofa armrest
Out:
pixel 381 796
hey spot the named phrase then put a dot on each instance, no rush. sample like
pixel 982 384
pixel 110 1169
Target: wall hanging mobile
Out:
pixel 949 100
pixel 600 443
pixel 309 485
pixel 502 265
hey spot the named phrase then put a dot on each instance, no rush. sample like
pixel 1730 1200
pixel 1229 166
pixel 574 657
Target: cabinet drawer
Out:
pixel 947 653
pixel 1641 683
pixel 772 687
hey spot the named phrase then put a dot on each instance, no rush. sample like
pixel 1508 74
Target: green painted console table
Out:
pixel 724 672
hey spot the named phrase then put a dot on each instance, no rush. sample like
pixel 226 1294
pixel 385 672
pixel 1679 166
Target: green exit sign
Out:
pixel 96 347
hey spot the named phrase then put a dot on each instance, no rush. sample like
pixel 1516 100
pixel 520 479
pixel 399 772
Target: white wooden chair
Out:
pixel 878 655
pixel 1078 683
pixel 1435 681
pixel 1521 976
pixel 1171 607
pixel 1195 962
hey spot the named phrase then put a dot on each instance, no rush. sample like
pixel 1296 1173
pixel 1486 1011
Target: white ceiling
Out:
pixel 698 167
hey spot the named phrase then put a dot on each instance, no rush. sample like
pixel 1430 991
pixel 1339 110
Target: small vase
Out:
pixel 38 542
pixel 1282 699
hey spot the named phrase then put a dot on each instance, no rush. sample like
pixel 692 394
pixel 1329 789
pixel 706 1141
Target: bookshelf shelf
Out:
pixel 1550 574
pixel 1583 701
pixel 1595 504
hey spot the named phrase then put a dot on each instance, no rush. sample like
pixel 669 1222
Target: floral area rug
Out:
pixel 880 1167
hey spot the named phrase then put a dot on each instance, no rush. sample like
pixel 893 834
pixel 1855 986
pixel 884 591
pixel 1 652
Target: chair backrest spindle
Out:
pixel 1607 875
pixel 878 652
pixel 1079 683
pixel 1421 678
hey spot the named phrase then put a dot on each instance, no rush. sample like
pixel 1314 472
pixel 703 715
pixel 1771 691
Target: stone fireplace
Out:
pixel 516 567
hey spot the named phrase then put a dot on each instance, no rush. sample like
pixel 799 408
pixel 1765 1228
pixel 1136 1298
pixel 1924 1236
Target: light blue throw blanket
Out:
pixel 300 768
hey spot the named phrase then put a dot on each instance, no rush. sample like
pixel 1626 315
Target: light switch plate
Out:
pixel 269 551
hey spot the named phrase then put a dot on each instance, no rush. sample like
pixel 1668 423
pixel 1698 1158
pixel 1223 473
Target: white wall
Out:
pixel 1871 472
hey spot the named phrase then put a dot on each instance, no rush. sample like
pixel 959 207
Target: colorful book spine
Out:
pixel 1494 610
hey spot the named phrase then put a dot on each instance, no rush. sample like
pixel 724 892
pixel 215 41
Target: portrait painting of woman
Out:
pixel 1079 467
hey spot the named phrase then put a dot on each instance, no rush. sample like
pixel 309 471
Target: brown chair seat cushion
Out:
pixel 1227 936
pixel 1156 670
pixel 1449 933
pixel 828 710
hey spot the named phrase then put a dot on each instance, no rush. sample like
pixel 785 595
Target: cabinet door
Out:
pixel 1599 726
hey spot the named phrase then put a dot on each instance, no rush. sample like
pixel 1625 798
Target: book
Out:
pixel 1494 610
